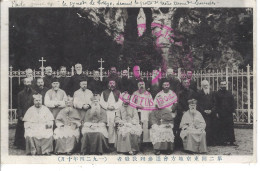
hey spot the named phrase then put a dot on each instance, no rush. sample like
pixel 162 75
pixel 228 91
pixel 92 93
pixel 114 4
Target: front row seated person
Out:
pixel 193 130
pixel 94 130
pixel 38 124
pixel 67 133
pixel 129 129
pixel 161 132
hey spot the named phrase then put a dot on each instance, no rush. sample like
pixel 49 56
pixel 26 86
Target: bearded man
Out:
pixel 48 77
pixel 40 88
pixel 129 129
pixel 94 130
pixel 110 102
pixel 67 133
pixel 55 98
pixel 206 108
pixel 82 98
pixel 25 101
pixel 193 130
pixel 38 124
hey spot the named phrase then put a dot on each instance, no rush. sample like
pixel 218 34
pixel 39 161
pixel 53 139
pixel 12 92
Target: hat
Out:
pixel 95 97
pixel 164 80
pixel 69 99
pixel 83 79
pixel 37 96
pixel 55 79
pixel 192 101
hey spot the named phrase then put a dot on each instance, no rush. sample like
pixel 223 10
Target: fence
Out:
pixel 240 82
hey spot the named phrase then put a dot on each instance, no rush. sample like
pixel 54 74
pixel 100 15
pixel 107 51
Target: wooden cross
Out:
pixel 101 68
pixel 42 67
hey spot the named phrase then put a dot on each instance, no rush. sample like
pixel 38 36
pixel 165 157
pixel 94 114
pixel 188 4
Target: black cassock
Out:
pixel 206 102
pixel 47 81
pixel 25 101
pixel 225 107
pixel 96 86
pixel 64 83
pixel 74 83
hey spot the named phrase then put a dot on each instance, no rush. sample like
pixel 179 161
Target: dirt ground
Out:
pixel 244 139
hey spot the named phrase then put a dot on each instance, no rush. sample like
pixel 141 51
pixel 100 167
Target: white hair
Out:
pixel 204 82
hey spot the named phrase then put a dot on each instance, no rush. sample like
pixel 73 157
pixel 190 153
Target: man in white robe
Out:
pixel 111 102
pixel 55 98
pixel 166 98
pixel 82 98
pixel 38 124
pixel 142 100
pixel 193 130
pixel 67 133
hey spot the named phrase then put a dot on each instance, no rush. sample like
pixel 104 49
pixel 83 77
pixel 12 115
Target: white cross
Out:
pixel 42 67
pixel 101 68
pixel 128 69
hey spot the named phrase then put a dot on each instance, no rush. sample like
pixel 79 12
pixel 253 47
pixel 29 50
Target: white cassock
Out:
pixel 165 100
pixel 53 97
pixel 146 100
pixel 111 114
pixel 82 98
pixel 38 125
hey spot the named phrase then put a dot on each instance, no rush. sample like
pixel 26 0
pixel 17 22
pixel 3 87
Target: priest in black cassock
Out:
pixel 206 108
pixel 95 85
pixel 63 79
pixel 48 77
pixel 25 101
pixel 225 109
pixel 40 88
pixel 75 80
pixel 133 86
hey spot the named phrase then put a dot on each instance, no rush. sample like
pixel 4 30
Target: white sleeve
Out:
pixel 103 104
pixel 90 94
pixel 78 103
pixel 63 100
pixel 47 101
pixel 119 103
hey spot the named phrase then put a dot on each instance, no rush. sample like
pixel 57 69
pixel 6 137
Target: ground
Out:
pixel 244 139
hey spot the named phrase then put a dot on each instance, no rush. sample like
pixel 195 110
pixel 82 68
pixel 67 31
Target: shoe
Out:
pixel 157 152
pixel 233 144
pixel 57 153
pixel 68 153
pixel 131 153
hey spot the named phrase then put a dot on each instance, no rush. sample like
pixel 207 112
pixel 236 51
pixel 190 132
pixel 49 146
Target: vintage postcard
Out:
pixel 128 81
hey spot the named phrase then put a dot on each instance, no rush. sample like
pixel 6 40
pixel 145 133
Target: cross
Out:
pixel 42 67
pixel 101 68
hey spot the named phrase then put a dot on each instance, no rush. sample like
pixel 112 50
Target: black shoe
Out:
pixel 233 144
pixel 157 152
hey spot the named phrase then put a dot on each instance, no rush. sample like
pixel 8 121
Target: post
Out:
pixel 128 70
pixel 248 95
pixel 42 67
pixel 101 69
pixel 11 89
pixel 19 77
pixel 227 76
pixel 179 73
pixel 242 93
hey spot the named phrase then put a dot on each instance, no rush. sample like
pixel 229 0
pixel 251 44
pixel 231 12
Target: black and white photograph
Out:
pixel 131 82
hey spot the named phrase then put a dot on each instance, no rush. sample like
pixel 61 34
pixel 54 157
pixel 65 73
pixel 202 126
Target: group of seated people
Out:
pixel 126 122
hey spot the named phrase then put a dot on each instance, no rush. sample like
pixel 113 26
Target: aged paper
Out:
pixel 40 33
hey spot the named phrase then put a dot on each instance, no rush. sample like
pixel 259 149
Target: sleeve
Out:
pixel 118 116
pixel 155 100
pixel 119 103
pixel 103 104
pixel 89 99
pixel 184 124
pixel 62 102
pixel 103 118
pixel 77 102
pixel 47 101
pixel 202 123
pixel 136 117
pixel 59 121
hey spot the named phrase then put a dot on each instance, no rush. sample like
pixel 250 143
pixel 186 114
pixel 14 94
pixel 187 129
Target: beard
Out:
pixel 206 91
pixel 95 110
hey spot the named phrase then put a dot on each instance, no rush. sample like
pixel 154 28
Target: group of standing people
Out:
pixel 77 114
